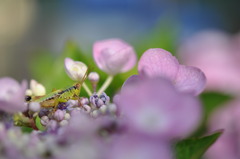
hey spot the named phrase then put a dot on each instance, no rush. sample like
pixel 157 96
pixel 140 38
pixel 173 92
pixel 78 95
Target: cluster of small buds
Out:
pixel 60 117
pixel 101 105
pixel 97 101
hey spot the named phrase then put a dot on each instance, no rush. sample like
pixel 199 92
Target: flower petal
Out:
pixel 76 70
pixel 190 79
pixel 155 107
pixel 135 146
pixel 131 81
pixel 158 62
pixel 12 95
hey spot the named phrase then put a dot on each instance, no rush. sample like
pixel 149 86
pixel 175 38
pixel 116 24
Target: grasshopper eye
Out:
pixel 28 98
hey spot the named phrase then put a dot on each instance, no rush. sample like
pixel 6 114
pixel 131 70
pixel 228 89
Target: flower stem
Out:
pixel 87 89
pixel 105 85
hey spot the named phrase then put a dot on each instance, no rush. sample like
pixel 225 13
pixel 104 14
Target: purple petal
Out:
pixel 156 107
pixel 139 147
pixel 214 53
pixel 114 56
pixel 132 80
pixel 158 62
pixel 12 95
pixel 190 79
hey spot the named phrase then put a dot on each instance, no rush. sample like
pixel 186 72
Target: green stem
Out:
pixel 87 89
pixel 105 85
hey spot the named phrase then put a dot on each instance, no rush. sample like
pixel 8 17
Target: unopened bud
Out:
pixel 103 109
pixel 86 108
pixel 44 120
pixel 34 106
pixel 95 113
pixel 84 101
pixel 104 98
pixel 59 115
pixel 63 123
pixel 93 77
pixel 112 108
pixel 67 116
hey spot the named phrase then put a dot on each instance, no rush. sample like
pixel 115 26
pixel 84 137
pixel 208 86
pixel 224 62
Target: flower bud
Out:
pixel 86 108
pixel 44 120
pixel 63 123
pixel 34 106
pixel 103 109
pixel 104 98
pixel 98 101
pixel 95 113
pixel 84 101
pixel 52 126
pixel 43 112
pixel 37 88
pixel 93 77
pixel 59 115
pixel 112 108
pixel 76 70
pixel 70 104
pixel 114 56
pixel 67 116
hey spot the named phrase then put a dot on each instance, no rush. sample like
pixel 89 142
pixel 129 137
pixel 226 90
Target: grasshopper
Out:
pixel 52 99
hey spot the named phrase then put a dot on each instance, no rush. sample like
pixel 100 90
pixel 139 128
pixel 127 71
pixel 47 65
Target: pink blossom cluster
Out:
pixel 154 109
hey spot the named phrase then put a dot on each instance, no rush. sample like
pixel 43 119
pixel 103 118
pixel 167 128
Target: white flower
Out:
pixel 37 88
pixel 76 70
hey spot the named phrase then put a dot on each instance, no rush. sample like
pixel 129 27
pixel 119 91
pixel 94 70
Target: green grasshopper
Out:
pixel 52 99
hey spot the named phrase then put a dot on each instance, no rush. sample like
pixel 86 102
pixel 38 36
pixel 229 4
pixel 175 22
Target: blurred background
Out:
pixel 28 27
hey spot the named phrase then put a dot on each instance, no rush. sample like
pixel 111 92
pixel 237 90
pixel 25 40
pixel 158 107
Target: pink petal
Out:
pixel 131 81
pixel 214 53
pixel 12 95
pixel 158 62
pixel 226 117
pixel 68 62
pixel 114 56
pixel 190 79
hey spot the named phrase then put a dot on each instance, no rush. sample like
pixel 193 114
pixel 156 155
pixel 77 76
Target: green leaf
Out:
pixel 212 100
pixel 195 148
pixel 26 129
pixel 38 124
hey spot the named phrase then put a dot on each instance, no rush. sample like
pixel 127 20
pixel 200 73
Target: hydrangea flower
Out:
pixel 227 118
pixel 158 62
pixel 114 56
pixel 76 70
pixel 215 53
pixel 12 95
pixel 155 107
